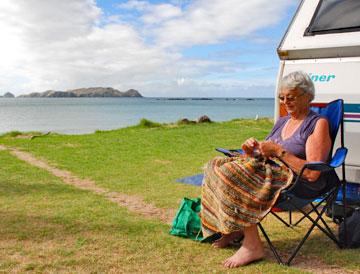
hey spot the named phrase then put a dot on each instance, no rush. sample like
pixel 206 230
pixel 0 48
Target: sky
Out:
pixel 174 48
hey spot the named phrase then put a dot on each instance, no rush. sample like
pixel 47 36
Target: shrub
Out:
pixel 13 133
pixel 148 124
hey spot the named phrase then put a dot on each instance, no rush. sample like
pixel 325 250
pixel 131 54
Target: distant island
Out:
pixel 8 95
pixel 83 92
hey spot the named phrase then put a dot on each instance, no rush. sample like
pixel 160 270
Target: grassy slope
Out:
pixel 39 210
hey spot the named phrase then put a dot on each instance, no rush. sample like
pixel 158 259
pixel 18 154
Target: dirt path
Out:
pixel 315 265
pixel 137 205
pixel 131 202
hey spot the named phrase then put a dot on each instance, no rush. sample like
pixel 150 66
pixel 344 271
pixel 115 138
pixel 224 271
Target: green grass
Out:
pixel 48 226
pixel 143 160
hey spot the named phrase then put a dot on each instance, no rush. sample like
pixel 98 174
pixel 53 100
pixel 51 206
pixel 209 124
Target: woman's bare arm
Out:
pixel 317 149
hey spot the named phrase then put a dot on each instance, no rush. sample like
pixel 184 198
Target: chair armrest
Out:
pixel 339 157
pixel 337 160
pixel 230 152
pixel 319 166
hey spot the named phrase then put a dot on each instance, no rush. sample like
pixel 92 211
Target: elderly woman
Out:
pixel 238 192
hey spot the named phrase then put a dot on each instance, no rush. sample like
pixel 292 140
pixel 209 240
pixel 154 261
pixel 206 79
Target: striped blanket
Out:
pixel 240 191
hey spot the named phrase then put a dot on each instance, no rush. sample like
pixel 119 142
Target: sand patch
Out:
pixel 163 162
pixel 316 265
pixel 71 145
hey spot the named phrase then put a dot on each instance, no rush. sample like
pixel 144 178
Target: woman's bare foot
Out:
pixel 226 239
pixel 250 251
pixel 244 256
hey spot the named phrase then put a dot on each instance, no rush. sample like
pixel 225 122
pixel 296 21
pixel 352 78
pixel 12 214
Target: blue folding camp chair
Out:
pixel 288 201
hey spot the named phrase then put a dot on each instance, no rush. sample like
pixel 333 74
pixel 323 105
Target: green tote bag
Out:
pixel 187 222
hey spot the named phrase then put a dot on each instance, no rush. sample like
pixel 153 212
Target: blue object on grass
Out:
pixel 195 180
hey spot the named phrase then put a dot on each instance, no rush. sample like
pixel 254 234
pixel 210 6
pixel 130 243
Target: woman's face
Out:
pixel 294 100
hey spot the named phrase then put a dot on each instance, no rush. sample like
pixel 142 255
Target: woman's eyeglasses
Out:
pixel 289 98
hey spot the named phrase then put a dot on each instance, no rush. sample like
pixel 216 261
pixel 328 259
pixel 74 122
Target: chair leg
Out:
pixel 300 220
pixel 314 209
pixel 329 233
pixel 315 223
pixel 272 247
pixel 325 224
pixel 296 250
pixel 303 217
pixel 280 219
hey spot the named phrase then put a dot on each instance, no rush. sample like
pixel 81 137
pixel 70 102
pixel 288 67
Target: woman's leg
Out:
pixel 226 239
pixel 251 249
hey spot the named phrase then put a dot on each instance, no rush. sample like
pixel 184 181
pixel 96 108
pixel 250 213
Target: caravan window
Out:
pixel 335 16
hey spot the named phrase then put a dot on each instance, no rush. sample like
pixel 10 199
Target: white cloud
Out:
pixel 159 13
pixel 36 32
pixel 51 44
pixel 70 52
pixel 206 22
pixel 134 4
pixel 153 13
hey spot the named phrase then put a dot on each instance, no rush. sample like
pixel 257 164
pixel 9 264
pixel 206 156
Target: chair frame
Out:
pixel 328 198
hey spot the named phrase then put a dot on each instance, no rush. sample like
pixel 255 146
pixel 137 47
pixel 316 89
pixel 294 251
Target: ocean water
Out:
pixel 85 115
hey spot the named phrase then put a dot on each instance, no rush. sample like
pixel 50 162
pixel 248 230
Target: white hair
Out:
pixel 299 80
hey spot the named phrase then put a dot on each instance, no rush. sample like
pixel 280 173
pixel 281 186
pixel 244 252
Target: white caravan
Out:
pixel 323 40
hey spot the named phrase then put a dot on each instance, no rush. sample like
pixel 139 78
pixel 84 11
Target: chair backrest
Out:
pixel 334 112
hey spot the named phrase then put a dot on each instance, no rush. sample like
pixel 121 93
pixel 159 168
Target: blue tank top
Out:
pixel 295 144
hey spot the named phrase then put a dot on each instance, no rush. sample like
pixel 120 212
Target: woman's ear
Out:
pixel 310 97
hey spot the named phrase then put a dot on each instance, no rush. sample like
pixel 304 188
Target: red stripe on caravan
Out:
pixel 321 105
pixel 352 115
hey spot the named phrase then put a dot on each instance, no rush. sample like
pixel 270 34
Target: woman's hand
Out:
pixel 249 145
pixel 270 149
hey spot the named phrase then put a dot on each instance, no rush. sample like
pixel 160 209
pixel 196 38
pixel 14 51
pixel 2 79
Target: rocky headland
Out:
pixel 8 95
pixel 84 92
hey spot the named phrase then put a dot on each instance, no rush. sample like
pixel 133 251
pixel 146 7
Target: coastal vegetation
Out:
pixel 49 224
